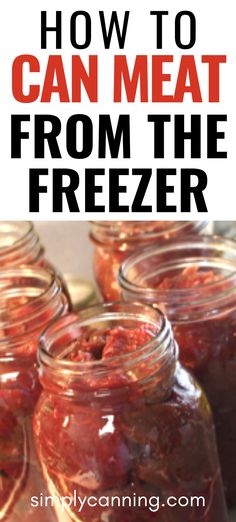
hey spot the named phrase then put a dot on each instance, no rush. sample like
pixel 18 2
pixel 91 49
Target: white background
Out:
pixel 20 33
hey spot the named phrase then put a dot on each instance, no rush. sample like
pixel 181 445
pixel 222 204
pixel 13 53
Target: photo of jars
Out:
pixel 118 371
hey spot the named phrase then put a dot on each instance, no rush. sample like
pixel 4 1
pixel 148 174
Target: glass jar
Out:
pixel 115 240
pixel 133 430
pixel 194 281
pixel 20 245
pixel 30 298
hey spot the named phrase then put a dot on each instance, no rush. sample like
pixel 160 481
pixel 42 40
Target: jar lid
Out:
pixel 82 291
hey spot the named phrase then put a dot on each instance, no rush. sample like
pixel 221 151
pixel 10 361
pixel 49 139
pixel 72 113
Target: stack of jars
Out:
pixel 123 430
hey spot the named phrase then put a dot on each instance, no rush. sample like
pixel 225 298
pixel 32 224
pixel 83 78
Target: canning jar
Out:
pixel 133 430
pixel 20 245
pixel 30 298
pixel 194 281
pixel 115 240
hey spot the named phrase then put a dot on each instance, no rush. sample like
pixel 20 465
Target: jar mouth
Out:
pixel 69 329
pixel 104 232
pixel 18 242
pixel 26 293
pixel 13 232
pixel 141 274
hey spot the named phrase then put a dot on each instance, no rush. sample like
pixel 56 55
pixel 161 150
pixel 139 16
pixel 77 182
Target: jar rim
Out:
pixel 29 228
pixel 21 312
pixel 104 231
pixel 217 289
pixel 108 311
pixel 26 242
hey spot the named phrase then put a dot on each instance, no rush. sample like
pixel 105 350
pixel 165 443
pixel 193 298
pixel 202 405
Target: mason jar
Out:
pixel 20 245
pixel 115 240
pixel 133 429
pixel 30 298
pixel 194 281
